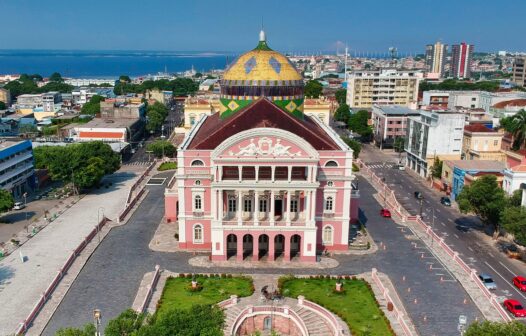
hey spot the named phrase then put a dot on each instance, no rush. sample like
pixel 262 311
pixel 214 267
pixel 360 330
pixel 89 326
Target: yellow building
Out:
pixel 482 143
pixel 322 108
pixel 5 96
pixel 195 108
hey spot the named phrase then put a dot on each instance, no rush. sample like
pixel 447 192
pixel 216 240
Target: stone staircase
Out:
pixel 230 316
pixel 316 325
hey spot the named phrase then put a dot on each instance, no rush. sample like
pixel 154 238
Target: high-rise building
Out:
pixel 436 55
pixel 519 71
pixel 383 87
pixel 461 55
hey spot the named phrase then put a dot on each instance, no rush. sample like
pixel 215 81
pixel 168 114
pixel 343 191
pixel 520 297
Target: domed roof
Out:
pixel 262 64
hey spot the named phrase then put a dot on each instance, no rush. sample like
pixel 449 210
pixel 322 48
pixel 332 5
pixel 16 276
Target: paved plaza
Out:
pixel 22 283
pixel 112 276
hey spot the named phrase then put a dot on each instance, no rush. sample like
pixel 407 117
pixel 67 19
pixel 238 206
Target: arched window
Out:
pixel 198 202
pixel 327 235
pixel 198 233
pixel 329 203
pixel 330 184
pixel 331 164
pixel 197 182
pixel 197 163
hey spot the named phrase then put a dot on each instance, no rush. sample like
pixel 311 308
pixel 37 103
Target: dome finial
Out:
pixel 262 37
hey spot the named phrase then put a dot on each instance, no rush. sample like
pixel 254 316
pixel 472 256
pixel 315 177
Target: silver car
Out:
pixel 488 281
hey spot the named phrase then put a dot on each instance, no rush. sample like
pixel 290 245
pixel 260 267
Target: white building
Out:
pixel 433 135
pixel 513 178
pixel 82 96
pixel 17 172
pixel 79 82
pixel 383 87
pixel 480 99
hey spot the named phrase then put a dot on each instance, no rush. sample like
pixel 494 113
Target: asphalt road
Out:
pixel 461 232
pixel 111 277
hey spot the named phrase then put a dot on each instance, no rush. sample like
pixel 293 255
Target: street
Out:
pixel 464 233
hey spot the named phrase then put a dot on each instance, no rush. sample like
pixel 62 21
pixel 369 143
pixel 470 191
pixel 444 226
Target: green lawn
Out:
pixel 167 166
pixel 357 306
pixel 216 289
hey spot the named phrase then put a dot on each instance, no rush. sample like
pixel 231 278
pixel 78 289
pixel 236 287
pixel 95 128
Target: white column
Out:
pixel 272 207
pixel 273 173
pixel 306 205
pixel 257 173
pixel 256 205
pixel 287 214
pixel 220 177
pixel 220 205
pixel 289 171
pixel 213 202
pixel 313 208
pixel 240 170
pixel 239 209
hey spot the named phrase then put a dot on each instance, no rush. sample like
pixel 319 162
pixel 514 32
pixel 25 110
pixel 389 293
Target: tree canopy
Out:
pixel 516 125
pixel 343 113
pixel 87 330
pixel 83 164
pixel 156 114
pixel 313 89
pixel 161 148
pixel 354 145
pixel 27 84
pixel 358 122
pixel 56 77
pixel 2 105
pixel 6 200
pixel 341 96
pixel 93 106
pixel 436 169
pixel 460 85
pixel 179 86
pixel 487 328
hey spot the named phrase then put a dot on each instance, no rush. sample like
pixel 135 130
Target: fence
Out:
pixel 380 186
pixel 139 181
pixel 337 329
pixel 385 293
pixel 151 288
pixel 24 326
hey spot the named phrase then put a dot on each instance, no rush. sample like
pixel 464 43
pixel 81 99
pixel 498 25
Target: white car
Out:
pixel 19 206
pixel 401 167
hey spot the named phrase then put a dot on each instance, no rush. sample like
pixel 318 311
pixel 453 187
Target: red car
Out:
pixel 385 213
pixel 520 283
pixel 515 307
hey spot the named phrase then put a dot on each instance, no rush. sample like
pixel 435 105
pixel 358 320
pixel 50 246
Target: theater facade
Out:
pixel 259 180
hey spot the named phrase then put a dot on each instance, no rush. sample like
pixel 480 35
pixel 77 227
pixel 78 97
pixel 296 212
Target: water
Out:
pixel 101 64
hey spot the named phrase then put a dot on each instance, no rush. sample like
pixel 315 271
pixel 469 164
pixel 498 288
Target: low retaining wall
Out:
pixel 151 288
pixel 264 310
pixel 24 326
pixel 333 323
pixel 395 206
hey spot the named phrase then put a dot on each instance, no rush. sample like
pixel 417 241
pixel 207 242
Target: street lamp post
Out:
pixel 99 220
pixel 97 317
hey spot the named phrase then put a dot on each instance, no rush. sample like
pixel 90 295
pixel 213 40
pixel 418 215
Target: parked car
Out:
pixel 385 213
pixel 515 307
pixel 19 206
pixel 418 195
pixel 520 283
pixel 445 201
pixel 512 251
pixel 488 281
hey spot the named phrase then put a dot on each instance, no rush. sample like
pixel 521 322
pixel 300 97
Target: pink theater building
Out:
pixel 263 184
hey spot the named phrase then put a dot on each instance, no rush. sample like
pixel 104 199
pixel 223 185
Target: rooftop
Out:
pixel 109 123
pixel 477 165
pixel 511 103
pixel 8 143
pixel 478 128
pixel 396 110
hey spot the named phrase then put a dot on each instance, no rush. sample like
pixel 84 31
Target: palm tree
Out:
pixel 516 125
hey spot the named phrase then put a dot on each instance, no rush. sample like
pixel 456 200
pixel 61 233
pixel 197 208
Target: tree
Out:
pixel 515 200
pixel 516 125
pixel 354 145
pixel 436 169
pixel 359 123
pixel 313 89
pixel 342 113
pixel 341 96
pixel 87 330
pixel 124 79
pixel 6 200
pixel 513 220
pixel 485 198
pixel 89 175
pixel 56 77
pixel 156 115
pixel 161 148
pixel 398 144
pixel 487 328
pixel 27 128
pixel 93 106
pixel 2 106
pixel 126 323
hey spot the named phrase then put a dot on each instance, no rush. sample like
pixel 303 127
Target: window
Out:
pixel 331 164
pixel 192 120
pixel 197 203
pixel 330 184
pixel 197 163
pixel 262 205
pixel 495 142
pixel 232 205
pixel 247 205
pixel 197 182
pixel 198 233
pixel 293 205
pixel 328 203
pixel 327 235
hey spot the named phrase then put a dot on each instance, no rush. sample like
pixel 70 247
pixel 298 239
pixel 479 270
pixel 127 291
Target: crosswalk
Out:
pixel 138 163
pixel 378 165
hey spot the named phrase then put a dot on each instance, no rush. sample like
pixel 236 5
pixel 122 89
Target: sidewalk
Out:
pixel 23 282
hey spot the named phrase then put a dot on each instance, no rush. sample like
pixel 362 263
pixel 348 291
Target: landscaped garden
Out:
pixel 178 292
pixel 167 166
pixel 355 304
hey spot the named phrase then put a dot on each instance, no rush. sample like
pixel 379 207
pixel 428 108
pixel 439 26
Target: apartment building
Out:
pixel 461 56
pixel 17 172
pixel 436 55
pixel 519 71
pixel 482 143
pixel 383 87
pixel 5 96
pixel 389 123
pixel 433 135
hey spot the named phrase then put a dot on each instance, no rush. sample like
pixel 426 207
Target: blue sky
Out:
pixel 233 25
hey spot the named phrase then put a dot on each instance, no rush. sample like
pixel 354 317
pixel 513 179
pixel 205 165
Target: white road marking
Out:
pixel 449 219
pixel 491 255
pixel 456 235
pixel 469 248
pixel 443 224
pixel 507 269
pixel 506 280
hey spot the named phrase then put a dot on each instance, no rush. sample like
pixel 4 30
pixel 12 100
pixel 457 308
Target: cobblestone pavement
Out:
pixel 111 277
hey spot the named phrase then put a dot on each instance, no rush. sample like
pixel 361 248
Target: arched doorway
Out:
pixel 279 245
pixel 295 246
pixel 231 246
pixel 248 243
pixel 263 246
